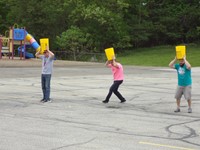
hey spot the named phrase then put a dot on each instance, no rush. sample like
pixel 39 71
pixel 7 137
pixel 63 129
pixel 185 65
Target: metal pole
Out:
pixel 12 42
pixel 20 50
pixel 24 44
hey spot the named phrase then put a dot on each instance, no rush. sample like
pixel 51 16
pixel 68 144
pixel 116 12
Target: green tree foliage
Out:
pixel 176 21
pixel 102 20
pixel 97 24
pixel 74 40
pixel 41 18
pixel 4 10
pixel 139 23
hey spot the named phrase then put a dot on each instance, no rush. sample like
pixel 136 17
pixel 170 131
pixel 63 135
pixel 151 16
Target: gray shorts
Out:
pixel 183 90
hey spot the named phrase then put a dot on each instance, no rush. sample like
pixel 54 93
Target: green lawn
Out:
pixel 158 56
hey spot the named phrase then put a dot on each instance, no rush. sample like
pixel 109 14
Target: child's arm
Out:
pixel 171 64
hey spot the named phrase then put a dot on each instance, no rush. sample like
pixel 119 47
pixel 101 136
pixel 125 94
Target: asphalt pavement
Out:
pixel 76 119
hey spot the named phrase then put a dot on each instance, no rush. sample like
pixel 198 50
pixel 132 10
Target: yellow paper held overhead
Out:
pixel 110 53
pixel 180 52
pixel 44 43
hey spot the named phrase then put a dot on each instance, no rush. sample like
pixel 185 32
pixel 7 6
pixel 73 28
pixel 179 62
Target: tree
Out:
pixel 122 24
pixel 174 22
pixel 4 9
pixel 103 21
pixel 73 40
pixel 41 18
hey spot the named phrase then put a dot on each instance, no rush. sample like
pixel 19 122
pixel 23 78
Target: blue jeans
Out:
pixel 114 89
pixel 45 80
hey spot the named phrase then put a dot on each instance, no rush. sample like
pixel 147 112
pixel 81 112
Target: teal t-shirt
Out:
pixel 184 75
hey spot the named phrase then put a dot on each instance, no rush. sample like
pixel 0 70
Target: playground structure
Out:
pixel 17 36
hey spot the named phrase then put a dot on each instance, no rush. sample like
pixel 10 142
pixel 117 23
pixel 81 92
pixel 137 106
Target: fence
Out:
pixel 91 57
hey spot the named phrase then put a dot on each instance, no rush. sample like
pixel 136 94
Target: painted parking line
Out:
pixel 168 146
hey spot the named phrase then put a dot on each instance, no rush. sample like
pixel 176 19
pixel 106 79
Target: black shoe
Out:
pixel 49 100
pixel 122 101
pixel 42 100
pixel 177 110
pixel 105 101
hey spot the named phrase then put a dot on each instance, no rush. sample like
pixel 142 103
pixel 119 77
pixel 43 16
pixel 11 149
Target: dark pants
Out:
pixel 46 78
pixel 114 89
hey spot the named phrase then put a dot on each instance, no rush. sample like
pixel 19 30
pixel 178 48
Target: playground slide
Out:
pixel 32 42
pixel 27 54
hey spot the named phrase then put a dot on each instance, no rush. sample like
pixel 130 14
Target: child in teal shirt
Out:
pixel 184 81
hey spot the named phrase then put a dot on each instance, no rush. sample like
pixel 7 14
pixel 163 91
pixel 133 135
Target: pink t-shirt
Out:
pixel 118 73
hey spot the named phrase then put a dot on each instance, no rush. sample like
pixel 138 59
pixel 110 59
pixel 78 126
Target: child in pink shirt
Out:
pixel 118 76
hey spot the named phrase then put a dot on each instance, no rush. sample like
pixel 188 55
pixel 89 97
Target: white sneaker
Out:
pixel 189 110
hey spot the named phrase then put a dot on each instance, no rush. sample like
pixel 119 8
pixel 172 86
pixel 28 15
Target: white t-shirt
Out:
pixel 47 64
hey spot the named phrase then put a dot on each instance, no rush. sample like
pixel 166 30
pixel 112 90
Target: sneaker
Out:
pixel 42 100
pixel 189 110
pixel 177 110
pixel 49 100
pixel 122 101
pixel 105 101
